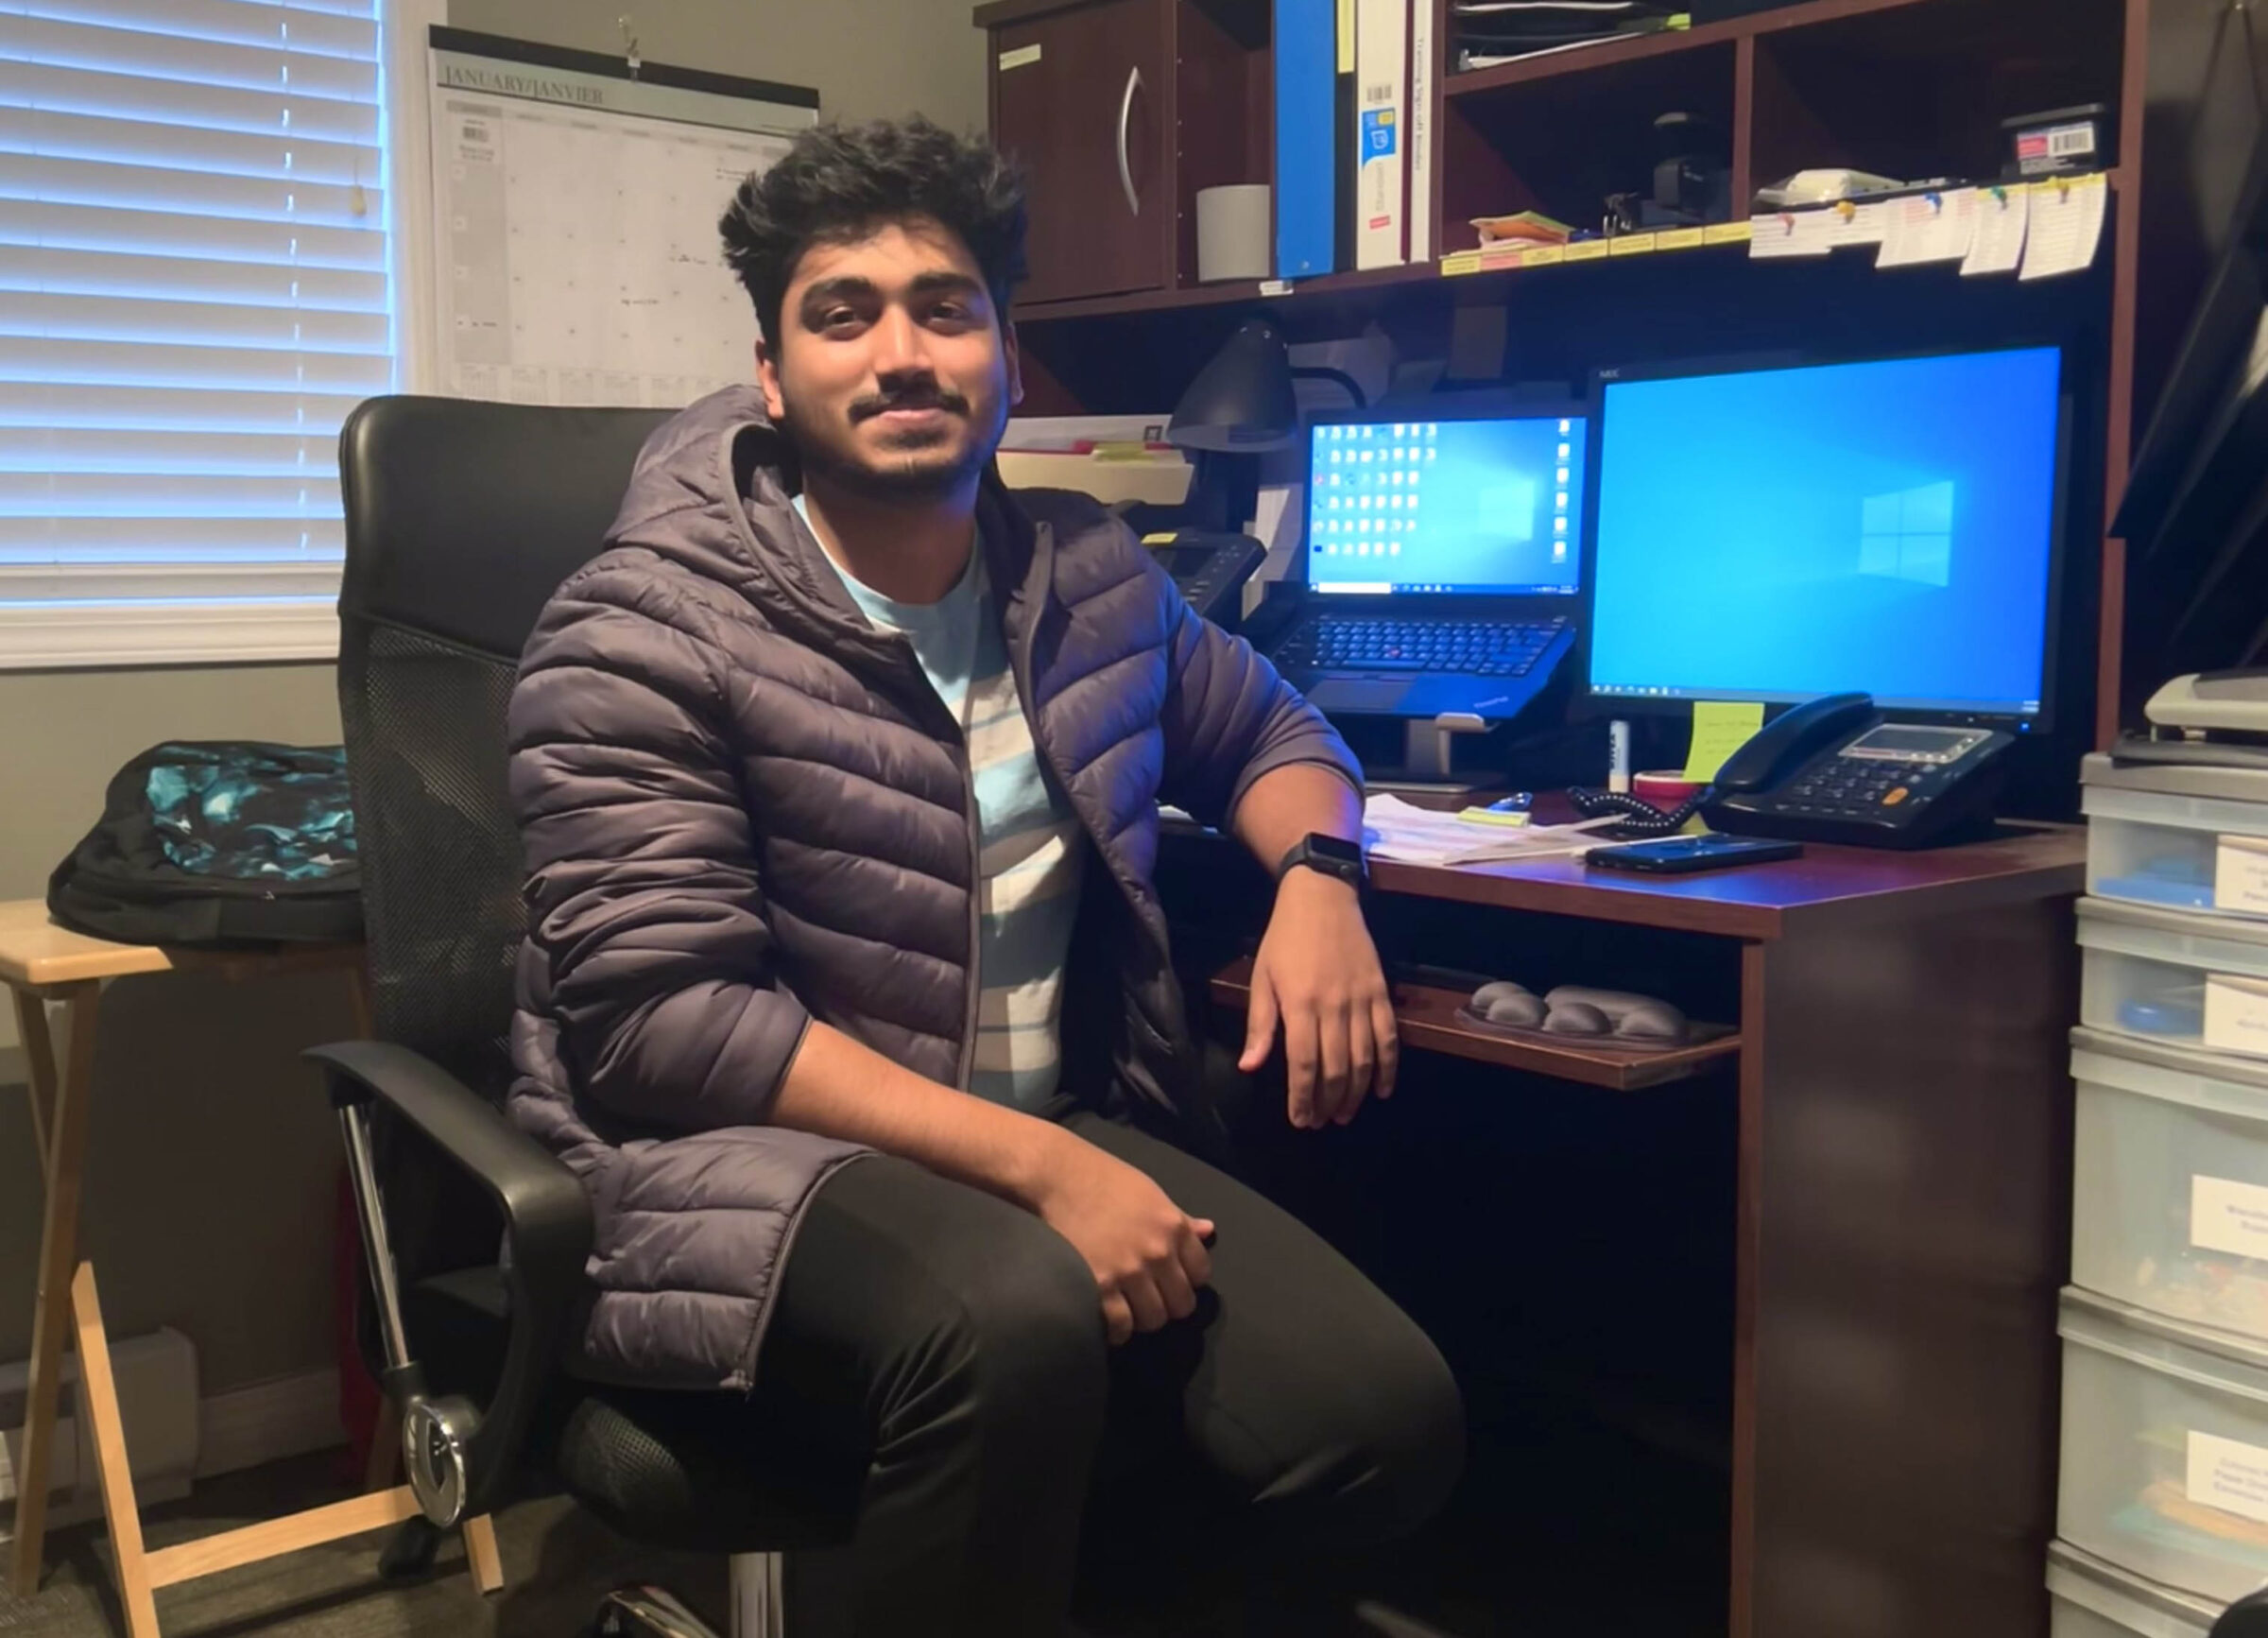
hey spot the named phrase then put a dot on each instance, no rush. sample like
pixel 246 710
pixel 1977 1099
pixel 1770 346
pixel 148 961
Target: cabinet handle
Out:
pixel 1126 113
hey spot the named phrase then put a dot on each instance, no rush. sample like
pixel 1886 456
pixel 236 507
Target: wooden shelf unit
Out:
pixel 1909 88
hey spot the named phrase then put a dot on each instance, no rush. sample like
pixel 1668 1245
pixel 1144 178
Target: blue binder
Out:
pixel 1306 155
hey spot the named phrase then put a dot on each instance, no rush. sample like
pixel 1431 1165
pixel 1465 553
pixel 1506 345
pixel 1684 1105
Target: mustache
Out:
pixel 876 403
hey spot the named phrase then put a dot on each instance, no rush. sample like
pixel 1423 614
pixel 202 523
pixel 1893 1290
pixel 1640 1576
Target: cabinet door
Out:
pixel 1082 105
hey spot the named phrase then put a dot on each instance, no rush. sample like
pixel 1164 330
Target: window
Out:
pixel 198 282
pixel 1908 535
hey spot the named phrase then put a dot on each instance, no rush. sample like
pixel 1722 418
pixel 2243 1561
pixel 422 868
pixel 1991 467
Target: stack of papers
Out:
pixel 2043 228
pixel 1397 831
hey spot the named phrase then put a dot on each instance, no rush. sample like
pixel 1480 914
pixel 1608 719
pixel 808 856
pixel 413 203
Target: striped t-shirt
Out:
pixel 1032 852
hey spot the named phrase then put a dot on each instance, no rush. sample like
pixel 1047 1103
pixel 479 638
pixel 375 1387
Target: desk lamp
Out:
pixel 1242 403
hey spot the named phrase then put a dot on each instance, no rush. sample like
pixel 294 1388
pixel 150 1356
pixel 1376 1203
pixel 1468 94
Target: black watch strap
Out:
pixel 1333 855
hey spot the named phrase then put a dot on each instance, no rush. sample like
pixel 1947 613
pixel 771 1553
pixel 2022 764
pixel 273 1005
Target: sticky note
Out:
pixel 1720 727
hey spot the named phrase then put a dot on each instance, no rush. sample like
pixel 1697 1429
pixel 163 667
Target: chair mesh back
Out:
pixel 443 869
pixel 461 519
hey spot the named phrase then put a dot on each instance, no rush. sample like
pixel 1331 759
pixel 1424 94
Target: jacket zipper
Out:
pixel 976 915
pixel 1019 662
pixel 965 1072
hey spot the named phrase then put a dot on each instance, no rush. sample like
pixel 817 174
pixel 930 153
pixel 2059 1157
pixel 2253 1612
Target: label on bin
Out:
pixel 2236 1015
pixel 2227 1216
pixel 2241 875
pixel 2230 1475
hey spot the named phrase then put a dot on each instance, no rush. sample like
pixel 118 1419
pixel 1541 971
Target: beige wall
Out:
pixel 211 1186
pixel 868 57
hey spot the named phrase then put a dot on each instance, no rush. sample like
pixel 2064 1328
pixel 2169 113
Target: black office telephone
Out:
pixel 1833 770
pixel 1211 567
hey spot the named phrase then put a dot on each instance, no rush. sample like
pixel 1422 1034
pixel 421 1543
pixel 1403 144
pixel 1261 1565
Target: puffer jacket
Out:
pixel 744 808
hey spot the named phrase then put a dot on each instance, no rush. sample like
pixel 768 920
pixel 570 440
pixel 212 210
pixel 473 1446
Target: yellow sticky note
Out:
pixel 1681 240
pixel 1631 244
pixel 1729 233
pixel 1720 729
pixel 1587 251
pixel 1544 256
pixel 1462 261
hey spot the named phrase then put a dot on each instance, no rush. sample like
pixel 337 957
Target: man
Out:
pixel 846 987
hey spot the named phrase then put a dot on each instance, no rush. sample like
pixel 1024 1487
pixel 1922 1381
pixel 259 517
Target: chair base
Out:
pixel 655 1613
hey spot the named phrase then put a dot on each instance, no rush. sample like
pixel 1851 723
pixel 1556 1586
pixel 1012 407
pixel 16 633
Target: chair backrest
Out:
pixel 461 519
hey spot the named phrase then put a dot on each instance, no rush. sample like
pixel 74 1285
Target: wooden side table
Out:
pixel 41 962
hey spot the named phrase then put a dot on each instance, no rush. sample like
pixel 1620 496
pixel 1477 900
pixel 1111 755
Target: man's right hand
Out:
pixel 1147 1255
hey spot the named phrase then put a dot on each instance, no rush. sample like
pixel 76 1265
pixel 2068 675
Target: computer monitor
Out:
pixel 1485 506
pixel 1889 527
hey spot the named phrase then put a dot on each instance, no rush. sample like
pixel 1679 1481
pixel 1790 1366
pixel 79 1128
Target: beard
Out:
pixel 922 466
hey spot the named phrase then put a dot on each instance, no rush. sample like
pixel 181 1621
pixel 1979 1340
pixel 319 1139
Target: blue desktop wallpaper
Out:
pixel 1883 527
pixel 1447 505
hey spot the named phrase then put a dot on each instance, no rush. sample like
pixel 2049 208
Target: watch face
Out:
pixel 1335 849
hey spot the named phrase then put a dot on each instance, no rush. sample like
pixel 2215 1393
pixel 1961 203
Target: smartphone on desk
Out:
pixel 1680 855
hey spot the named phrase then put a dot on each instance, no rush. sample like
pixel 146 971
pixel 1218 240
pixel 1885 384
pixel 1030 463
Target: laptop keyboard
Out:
pixel 1461 647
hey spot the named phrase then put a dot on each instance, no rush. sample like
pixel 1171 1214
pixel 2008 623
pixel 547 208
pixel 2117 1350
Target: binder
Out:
pixel 1382 73
pixel 1424 56
pixel 1346 159
pixel 1306 167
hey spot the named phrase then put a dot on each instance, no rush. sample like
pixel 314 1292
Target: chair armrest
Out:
pixel 2245 1618
pixel 547 1233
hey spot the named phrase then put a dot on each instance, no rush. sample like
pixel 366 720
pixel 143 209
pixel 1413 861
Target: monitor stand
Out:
pixel 1428 746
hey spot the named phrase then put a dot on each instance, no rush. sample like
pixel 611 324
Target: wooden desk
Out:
pixel 41 962
pixel 1902 1212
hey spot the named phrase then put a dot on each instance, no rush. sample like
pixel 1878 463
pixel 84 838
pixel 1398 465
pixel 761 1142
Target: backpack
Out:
pixel 218 842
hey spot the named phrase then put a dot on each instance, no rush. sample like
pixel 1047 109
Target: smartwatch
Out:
pixel 1331 855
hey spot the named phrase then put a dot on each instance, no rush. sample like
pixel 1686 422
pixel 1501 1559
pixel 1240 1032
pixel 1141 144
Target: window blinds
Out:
pixel 194 292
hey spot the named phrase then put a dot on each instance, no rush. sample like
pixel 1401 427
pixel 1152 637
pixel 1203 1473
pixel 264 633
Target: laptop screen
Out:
pixel 1476 506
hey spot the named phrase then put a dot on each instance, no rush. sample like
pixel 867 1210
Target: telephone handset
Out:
pixel 1833 770
pixel 1793 738
pixel 1210 568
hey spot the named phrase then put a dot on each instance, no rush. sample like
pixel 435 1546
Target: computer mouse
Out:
pixel 1577 1018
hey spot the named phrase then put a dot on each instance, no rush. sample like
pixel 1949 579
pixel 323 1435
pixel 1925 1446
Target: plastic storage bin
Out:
pixel 2169 1180
pixel 2178 837
pixel 2089 1599
pixel 2186 980
pixel 2165 1448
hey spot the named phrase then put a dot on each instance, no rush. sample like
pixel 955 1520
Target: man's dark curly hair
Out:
pixel 839 183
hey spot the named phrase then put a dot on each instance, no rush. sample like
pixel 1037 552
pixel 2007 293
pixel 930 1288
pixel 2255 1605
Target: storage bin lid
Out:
pixel 2176 779
pixel 2136 1603
pixel 2116 913
pixel 2197 1354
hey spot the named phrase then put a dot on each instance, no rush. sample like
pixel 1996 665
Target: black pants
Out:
pixel 953 1344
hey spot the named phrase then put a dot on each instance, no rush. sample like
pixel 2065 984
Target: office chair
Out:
pixel 461 519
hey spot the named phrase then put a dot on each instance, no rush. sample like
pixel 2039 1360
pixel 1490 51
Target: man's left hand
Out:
pixel 1317 977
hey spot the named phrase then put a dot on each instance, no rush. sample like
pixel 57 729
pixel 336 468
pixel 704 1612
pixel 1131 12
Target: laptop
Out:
pixel 1443 560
